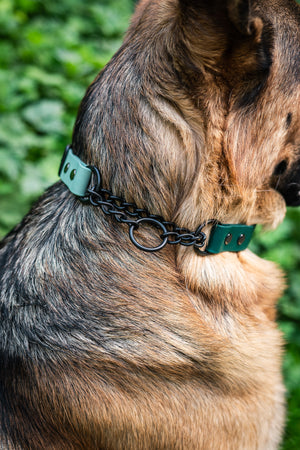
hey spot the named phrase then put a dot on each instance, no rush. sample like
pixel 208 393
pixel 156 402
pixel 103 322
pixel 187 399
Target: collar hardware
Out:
pixel 77 176
pixel 229 238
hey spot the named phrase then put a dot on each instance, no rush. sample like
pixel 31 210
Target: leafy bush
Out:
pixel 283 247
pixel 50 52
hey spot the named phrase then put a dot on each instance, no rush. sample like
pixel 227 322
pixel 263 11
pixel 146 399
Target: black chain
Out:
pixel 134 217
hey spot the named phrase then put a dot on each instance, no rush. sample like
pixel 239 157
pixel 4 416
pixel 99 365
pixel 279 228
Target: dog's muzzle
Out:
pixel 289 186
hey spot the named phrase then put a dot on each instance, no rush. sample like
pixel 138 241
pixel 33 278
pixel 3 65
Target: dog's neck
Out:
pixel 179 161
pixel 211 276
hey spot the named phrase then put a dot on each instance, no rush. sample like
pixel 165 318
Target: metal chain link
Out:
pixel 134 217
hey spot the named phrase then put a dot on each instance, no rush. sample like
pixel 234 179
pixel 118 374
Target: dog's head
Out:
pixel 197 116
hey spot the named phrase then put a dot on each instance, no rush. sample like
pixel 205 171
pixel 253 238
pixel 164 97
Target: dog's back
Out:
pixel 104 346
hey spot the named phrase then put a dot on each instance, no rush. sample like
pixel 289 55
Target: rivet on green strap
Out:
pixel 229 238
pixel 75 174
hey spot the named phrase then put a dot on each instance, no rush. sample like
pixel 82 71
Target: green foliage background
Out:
pixel 49 53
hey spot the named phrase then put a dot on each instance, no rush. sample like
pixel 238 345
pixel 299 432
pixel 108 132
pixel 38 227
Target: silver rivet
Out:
pixel 228 239
pixel 241 239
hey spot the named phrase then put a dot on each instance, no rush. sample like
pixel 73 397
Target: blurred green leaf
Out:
pixel 45 116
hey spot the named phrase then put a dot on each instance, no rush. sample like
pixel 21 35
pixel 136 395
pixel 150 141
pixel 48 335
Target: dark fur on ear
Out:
pixel 230 34
pixel 252 55
pixel 247 21
pixel 240 13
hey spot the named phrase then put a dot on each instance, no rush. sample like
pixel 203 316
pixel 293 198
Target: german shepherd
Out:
pixel 106 346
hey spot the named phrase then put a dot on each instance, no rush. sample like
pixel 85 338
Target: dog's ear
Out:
pixel 230 29
pixel 246 20
pixel 250 54
pixel 239 12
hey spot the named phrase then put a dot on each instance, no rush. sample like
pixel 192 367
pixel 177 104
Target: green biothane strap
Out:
pixel 229 238
pixel 76 175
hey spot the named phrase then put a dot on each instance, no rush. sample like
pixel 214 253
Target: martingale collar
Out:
pixel 78 176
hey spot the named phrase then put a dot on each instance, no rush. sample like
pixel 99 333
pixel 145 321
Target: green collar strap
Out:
pixel 76 175
pixel 229 238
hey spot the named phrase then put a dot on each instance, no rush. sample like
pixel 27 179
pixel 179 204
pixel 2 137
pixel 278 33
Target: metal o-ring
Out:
pixel 151 222
pixel 96 187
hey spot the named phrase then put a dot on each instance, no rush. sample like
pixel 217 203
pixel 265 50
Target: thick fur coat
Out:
pixel 103 346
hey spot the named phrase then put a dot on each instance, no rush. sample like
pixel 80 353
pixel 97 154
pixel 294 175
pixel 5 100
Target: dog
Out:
pixel 194 123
